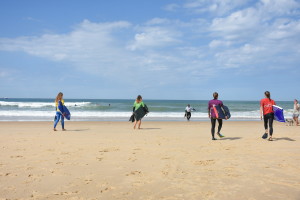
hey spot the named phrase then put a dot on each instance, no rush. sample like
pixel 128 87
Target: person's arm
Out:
pixel 208 108
pixel 133 108
pixel 261 111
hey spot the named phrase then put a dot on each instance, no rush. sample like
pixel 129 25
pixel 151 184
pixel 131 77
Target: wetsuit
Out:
pixel 267 105
pixel 59 115
pixel 213 117
pixel 188 112
pixel 137 105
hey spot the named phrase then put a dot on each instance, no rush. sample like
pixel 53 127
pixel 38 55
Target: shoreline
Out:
pixel 163 160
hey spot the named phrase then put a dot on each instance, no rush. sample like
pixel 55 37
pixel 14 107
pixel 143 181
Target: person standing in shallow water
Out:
pixel 267 113
pixel 59 114
pixel 296 112
pixel 188 112
pixel 213 117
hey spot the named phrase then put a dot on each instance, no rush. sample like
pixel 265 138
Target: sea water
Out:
pixel 121 109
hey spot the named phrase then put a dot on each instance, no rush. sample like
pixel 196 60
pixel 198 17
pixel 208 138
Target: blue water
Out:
pixel 121 109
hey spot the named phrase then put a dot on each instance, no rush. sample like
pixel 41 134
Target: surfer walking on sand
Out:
pixel 59 114
pixel 137 104
pixel 267 113
pixel 213 117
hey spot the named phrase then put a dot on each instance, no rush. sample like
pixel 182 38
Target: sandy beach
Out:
pixel 164 160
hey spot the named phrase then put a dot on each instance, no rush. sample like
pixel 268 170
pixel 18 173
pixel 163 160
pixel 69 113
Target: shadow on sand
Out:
pixel 149 128
pixel 230 138
pixel 284 138
pixel 78 129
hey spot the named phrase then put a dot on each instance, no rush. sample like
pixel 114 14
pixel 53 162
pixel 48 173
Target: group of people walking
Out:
pixel 266 113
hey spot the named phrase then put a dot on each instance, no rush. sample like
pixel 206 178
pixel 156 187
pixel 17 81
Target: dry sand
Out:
pixel 164 160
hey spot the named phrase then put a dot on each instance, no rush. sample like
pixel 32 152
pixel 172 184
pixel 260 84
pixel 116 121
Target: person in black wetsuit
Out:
pixel 188 112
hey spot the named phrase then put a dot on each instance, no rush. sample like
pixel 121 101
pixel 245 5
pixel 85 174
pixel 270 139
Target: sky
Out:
pixel 170 49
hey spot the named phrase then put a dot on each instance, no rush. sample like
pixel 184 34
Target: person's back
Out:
pixel 211 103
pixel 267 113
pixel 213 117
pixel 267 105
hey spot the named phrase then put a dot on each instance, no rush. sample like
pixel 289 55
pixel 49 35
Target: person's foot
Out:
pixel 270 138
pixel 64 129
pixel 220 135
pixel 214 139
pixel 54 129
pixel 265 136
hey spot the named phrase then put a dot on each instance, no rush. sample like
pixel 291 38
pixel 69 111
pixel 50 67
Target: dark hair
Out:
pixel 268 94
pixel 215 95
pixel 139 97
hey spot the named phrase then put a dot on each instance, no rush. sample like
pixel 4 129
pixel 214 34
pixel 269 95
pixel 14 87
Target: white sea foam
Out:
pixel 17 114
pixel 41 104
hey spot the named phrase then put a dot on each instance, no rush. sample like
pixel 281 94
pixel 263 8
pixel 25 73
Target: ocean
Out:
pixel 18 109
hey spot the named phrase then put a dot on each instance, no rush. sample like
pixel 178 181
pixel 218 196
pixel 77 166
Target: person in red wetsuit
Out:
pixel 267 113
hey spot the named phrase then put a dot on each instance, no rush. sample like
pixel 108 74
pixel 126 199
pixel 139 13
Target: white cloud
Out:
pixel 89 46
pixel 235 36
pixel 236 24
pixel 154 36
pixel 215 7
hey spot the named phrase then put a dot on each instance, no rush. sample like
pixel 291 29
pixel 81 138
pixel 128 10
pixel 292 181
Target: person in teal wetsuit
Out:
pixel 137 104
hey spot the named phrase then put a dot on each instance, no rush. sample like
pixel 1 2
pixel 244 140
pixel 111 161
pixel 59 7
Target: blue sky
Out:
pixel 167 49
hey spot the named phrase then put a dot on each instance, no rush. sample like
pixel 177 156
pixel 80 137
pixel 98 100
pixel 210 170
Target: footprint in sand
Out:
pixel 132 159
pixel 99 158
pixel 109 149
pixel 18 156
pixel 204 162
pixel 88 181
pixel 134 173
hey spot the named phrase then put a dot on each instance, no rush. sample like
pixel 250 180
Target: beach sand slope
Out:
pixel 164 160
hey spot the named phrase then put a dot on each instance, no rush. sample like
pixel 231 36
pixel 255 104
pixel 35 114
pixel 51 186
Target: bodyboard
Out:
pixel 140 112
pixel 278 113
pixel 65 111
pixel 222 112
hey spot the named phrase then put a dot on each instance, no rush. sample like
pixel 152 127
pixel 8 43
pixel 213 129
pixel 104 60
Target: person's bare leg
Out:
pixel 140 122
